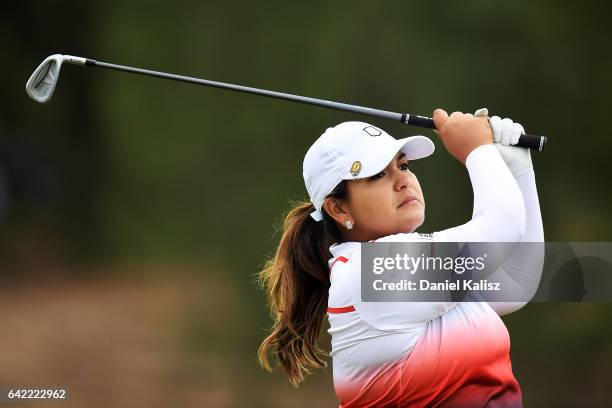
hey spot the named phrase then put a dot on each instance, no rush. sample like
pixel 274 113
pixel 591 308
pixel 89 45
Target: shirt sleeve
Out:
pixel 520 274
pixel 499 211
pixel 395 315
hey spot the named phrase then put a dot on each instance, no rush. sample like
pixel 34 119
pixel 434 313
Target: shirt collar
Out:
pixel 344 248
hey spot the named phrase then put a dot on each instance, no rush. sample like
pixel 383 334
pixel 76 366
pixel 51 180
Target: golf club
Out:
pixel 43 80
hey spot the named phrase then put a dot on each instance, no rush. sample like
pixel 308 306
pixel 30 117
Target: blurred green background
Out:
pixel 134 212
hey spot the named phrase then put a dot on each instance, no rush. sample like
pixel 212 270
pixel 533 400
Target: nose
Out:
pixel 402 179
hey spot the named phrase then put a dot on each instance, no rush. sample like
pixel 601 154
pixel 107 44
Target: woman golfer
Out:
pixel 400 354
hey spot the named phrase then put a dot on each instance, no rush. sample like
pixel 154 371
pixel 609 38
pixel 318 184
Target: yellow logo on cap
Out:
pixel 355 168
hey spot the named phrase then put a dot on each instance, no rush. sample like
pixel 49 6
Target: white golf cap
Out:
pixel 353 150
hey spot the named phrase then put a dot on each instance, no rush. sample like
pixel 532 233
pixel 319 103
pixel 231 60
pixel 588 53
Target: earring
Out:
pixel 349 224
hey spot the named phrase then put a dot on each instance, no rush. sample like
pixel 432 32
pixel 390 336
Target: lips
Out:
pixel 410 200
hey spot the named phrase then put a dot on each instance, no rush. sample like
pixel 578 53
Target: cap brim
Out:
pixel 415 147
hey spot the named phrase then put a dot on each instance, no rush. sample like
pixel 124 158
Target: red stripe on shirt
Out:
pixel 346 309
pixel 341 259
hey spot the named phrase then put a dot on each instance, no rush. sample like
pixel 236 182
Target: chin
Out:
pixel 412 225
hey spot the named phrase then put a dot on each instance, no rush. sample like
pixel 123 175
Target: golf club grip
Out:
pixel 529 141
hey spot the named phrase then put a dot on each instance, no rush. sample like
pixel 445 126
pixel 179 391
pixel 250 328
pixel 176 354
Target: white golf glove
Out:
pixel 506 134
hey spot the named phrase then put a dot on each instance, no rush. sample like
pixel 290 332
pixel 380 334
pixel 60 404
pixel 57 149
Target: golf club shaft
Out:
pixel 528 141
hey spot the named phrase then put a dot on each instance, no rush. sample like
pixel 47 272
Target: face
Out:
pixel 390 202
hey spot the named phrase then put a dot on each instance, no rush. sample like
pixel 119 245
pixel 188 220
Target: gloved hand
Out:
pixel 506 134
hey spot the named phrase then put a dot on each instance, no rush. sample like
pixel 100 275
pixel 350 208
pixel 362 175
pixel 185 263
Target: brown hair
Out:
pixel 296 281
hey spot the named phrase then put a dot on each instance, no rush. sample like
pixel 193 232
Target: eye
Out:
pixel 403 167
pixel 377 176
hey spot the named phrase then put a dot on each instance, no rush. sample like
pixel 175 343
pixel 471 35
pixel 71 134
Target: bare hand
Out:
pixel 462 132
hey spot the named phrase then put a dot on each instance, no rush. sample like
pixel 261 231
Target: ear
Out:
pixel 337 209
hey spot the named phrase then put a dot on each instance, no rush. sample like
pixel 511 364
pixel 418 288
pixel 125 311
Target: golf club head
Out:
pixel 42 82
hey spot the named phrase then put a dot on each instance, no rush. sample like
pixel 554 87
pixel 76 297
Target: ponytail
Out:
pixel 297 281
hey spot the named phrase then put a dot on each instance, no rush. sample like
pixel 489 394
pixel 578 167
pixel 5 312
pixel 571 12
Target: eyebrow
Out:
pixel 401 156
